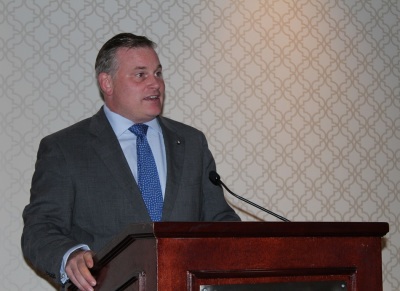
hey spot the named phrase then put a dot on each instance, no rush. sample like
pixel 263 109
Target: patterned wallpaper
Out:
pixel 300 101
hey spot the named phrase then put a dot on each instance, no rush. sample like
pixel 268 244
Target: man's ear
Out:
pixel 105 83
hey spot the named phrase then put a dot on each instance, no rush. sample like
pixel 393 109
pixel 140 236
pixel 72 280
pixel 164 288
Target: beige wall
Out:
pixel 300 101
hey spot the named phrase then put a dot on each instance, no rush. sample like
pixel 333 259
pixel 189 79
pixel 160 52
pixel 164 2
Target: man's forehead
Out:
pixel 140 53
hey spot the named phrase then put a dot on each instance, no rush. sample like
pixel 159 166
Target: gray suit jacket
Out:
pixel 84 192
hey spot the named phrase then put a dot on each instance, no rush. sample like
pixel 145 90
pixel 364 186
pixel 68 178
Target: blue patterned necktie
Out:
pixel 148 180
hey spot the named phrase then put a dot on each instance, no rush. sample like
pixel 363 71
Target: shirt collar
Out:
pixel 121 124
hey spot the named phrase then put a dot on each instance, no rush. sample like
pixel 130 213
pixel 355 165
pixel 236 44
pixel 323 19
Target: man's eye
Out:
pixel 159 74
pixel 139 75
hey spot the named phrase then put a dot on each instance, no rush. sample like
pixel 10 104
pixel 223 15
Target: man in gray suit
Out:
pixel 84 189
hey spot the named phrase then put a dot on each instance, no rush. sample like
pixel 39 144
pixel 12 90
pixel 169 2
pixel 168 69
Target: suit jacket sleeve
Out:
pixel 82 192
pixel 215 207
pixel 47 218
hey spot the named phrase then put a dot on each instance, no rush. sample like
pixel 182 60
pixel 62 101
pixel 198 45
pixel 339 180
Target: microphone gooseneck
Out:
pixel 216 180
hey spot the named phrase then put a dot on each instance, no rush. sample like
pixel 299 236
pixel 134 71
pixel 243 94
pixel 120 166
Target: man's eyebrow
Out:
pixel 143 67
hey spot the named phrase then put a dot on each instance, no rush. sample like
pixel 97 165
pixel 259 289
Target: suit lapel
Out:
pixel 175 149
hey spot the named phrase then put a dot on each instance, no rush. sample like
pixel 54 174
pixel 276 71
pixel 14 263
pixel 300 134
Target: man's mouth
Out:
pixel 152 97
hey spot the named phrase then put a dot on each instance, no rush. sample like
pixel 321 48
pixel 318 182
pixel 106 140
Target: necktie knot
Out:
pixel 139 129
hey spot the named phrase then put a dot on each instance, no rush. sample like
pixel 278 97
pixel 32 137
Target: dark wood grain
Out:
pixel 183 255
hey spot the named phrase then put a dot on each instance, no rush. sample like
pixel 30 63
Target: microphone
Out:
pixel 216 180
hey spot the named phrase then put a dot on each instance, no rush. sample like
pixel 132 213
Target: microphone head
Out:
pixel 214 178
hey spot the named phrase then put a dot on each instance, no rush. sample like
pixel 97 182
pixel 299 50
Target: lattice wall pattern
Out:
pixel 300 101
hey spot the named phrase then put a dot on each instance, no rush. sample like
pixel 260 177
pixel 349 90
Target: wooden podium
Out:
pixel 178 256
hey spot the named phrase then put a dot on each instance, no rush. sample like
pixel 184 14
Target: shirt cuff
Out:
pixel 63 274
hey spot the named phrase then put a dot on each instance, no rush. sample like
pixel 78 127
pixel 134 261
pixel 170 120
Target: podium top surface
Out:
pixel 180 230
pixel 257 229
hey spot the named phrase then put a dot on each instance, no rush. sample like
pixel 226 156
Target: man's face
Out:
pixel 137 89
